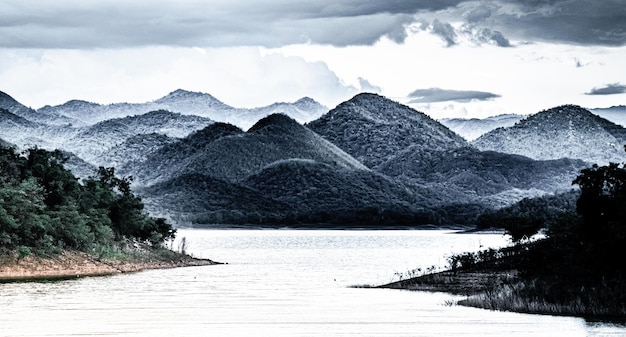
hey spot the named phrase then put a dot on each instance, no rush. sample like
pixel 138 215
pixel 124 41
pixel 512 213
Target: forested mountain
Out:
pixel 133 151
pixel 94 141
pixel 473 128
pixel 484 177
pixel 228 153
pixel 368 161
pixel 567 131
pixel 373 128
pixel 292 192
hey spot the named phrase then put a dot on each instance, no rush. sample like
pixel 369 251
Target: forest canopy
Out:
pixel 45 209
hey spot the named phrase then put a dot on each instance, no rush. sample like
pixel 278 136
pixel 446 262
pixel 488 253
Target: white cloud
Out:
pixel 241 77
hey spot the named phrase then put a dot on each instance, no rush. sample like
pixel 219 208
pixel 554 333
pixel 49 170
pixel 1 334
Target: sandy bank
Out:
pixel 72 264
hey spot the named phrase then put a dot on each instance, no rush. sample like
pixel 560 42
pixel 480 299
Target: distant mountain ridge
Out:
pixel 567 131
pixel 615 114
pixel 185 102
pixel 472 128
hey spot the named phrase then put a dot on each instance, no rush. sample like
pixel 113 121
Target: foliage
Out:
pixel 44 208
pixel 526 217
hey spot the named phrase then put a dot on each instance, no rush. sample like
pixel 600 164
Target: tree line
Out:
pixel 45 209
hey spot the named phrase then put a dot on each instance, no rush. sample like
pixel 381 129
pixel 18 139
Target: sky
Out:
pixel 447 58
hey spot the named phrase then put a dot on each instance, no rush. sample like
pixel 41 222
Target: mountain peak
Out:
pixel 273 122
pixel 308 103
pixel 9 103
pixel 566 131
pixel 181 94
pixel 372 128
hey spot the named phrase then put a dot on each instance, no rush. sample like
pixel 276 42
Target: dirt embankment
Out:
pixel 456 282
pixel 72 264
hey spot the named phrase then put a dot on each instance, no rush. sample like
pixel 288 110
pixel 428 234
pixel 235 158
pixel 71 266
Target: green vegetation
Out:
pixel 44 209
pixel 578 269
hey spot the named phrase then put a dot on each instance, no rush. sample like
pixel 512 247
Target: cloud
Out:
pixel 275 23
pixel 433 95
pixel 241 77
pixel 366 86
pixel 582 22
pixel 445 31
pixel 609 89
pixel 270 23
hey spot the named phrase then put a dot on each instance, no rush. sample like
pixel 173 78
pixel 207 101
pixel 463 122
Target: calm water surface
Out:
pixel 277 283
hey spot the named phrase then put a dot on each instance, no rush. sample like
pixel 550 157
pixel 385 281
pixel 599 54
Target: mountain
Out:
pixel 303 110
pixel 615 114
pixel 373 128
pixel 79 112
pixel 24 133
pixel 83 113
pixel 567 131
pixel 490 178
pixel 133 151
pixel 179 101
pixel 325 194
pixel 10 104
pixel 201 199
pixel 292 192
pixel 94 141
pixel 227 153
pixel 473 128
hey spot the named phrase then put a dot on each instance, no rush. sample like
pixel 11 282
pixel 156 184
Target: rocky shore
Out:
pixel 74 264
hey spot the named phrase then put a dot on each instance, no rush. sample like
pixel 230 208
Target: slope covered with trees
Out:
pixel 44 208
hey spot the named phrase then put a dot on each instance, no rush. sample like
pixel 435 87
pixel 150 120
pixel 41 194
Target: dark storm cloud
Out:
pixel 610 89
pixel 584 22
pixel 445 31
pixel 118 23
pixel 273 23
pixel 433 95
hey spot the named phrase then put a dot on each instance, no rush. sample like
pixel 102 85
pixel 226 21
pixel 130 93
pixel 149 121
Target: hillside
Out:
pixel 227 153
pixel 490 178
pixel 324 194
pixel 473 128
pixel 291 193
pixel 567 131
pixel 133 151
pixel 372 128
pixel 94 141
pixel 200 199
pixel 25 133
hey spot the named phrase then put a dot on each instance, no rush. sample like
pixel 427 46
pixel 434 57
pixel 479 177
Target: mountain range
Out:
pixel 370 161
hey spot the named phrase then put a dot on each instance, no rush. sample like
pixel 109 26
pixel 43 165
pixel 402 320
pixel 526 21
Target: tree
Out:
pixel 602 202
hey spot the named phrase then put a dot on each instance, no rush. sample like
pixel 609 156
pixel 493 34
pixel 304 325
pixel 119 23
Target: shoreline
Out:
pixel 504 290
pixel 75 264
pixel 455 282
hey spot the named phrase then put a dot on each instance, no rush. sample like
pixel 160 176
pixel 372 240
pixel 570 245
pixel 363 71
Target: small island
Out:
pixel 577 268
pixel 54 227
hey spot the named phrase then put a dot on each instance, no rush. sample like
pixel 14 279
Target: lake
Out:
pixel 278 283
